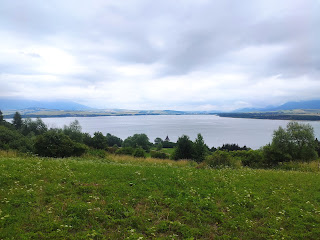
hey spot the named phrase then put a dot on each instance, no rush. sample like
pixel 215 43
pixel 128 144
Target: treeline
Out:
pixel 294 143
pixel 274 116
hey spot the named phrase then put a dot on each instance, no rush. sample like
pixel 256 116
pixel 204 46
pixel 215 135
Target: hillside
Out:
pixel 128 198
pixel 21 104
pixel 304 105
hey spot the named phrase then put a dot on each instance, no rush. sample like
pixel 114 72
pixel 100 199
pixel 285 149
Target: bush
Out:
pixel 167 144
pixel 58 145
pixel 251 158
pixel 273 156
pixel 125 151
pixel 112 149
pixel 222 159
pixel 79 149
pixel 157 154
pixel 139 153
pixel 98 153
pixel 13 139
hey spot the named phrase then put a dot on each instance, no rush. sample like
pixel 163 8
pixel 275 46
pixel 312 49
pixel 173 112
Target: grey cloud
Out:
pixel 180 36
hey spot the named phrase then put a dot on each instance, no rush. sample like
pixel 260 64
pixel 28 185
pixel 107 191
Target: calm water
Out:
pixel 215 130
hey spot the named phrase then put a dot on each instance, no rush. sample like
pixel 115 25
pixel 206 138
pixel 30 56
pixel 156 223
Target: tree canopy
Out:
pixel 296 142
pixel 184 148
pixel 137 140
pixel 17 120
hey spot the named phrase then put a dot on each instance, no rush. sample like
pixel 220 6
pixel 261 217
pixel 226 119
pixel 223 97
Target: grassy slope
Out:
pixel 122 197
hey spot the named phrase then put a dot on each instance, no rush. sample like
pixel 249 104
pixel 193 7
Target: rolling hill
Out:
pixel 312 104
pixel 20 104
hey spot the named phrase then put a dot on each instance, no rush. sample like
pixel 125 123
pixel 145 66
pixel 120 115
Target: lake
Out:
pixel 215 130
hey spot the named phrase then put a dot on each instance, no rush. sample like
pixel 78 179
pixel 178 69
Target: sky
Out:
pixel 170 54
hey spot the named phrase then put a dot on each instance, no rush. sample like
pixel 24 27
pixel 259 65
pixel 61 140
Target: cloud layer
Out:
pixel 138 54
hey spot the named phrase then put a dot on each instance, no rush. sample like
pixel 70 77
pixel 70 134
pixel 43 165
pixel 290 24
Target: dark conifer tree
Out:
pixel 17 120
pixel 1 117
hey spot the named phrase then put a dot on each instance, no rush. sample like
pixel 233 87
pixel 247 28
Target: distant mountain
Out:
pixel 312 104
pixel 19 104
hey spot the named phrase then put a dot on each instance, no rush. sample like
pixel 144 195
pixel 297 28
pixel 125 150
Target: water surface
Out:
pixel 215 130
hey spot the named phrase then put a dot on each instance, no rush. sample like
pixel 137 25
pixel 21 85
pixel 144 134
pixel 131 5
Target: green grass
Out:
pixel 125 198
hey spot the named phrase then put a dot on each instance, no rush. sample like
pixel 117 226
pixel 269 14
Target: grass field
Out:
pixel 125 198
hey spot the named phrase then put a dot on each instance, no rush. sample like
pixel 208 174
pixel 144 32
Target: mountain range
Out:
pixel 7 104
pixel 312 104
pixel 21 104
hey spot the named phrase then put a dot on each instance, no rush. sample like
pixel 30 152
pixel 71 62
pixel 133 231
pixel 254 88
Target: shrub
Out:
pixel 112 149
pixel 139 153
pixel 157 154
pixel 222 159
pixel 98 153
pixel 125 151
pixel 167 144
pixel 251 158
pixel 273 156
pixel 13 139
pixel 79 149
pixel 57 144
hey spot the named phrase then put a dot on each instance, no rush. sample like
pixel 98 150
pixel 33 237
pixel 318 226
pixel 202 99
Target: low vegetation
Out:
pixel 121 197
pixel 65 184
pixel 295 143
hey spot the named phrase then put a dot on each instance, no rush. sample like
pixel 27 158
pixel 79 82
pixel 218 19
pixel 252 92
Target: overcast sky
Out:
pixel 168 54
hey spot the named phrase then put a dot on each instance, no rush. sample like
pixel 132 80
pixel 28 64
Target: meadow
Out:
pixel 121 197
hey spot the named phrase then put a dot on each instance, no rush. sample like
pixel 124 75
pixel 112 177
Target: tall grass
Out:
pixel 313 166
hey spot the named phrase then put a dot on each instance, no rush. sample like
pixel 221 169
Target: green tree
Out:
pixel 13 139
pixel 99 141
pixel 296 142
pixel 74 131
pixel 36 127
pixel 158 143
pixel 317 143
pixel 200 149
pixel 113 140
pixel 57 144
pixel 1 117
pixel 17 120
pixel 137 140
pixel 184 148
